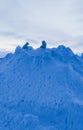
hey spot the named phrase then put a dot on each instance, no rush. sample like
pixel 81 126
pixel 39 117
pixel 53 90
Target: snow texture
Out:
pixel 41 89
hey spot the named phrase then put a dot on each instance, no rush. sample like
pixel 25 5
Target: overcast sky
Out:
pixel 56 21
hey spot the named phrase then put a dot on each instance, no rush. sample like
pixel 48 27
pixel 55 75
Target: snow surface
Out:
pixel 41 89
pixel 3 53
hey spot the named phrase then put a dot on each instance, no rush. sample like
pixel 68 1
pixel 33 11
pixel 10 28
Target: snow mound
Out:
pixel 41 89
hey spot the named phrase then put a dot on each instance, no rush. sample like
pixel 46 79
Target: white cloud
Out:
pixel 55 21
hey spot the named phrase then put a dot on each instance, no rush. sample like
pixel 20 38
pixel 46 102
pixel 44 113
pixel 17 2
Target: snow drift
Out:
pixel 41 89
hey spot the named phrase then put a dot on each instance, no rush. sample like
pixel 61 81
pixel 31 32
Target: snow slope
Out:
pixel 3 53
pixel 41 89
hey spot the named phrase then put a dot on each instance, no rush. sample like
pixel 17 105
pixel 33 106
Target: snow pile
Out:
pixel 41 89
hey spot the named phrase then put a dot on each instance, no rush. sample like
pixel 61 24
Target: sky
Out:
pixel 56 21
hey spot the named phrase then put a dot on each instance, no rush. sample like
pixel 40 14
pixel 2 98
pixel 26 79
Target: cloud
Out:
pixel 56 21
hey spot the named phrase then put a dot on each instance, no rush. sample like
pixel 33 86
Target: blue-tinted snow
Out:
pixel 41 89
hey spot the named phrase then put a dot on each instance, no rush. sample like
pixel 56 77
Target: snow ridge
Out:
pixel 41 89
